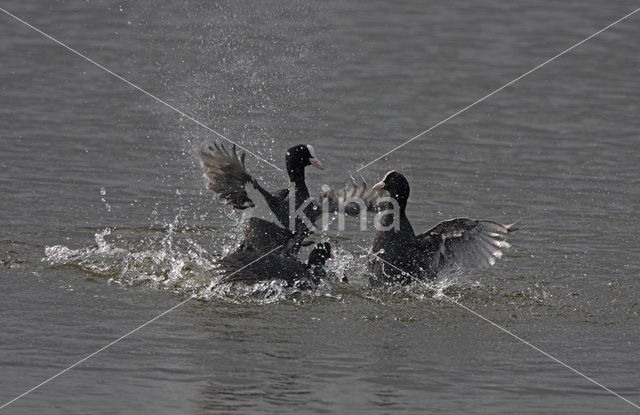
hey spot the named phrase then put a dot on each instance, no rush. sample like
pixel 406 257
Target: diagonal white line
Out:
pixel 498 90
pixel 555 359
pixel 94 353
pixel 252 262
pixel 123 337
pixel 138 88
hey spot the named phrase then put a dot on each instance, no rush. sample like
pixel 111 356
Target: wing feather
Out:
pixel 227 175
pixel 351 199
pixel 467 243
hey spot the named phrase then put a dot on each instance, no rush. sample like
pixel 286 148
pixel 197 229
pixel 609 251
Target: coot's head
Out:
pixel 397 186
pixel 320 254
pixel 298 157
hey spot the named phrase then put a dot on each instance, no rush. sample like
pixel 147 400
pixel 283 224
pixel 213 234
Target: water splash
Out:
pixel 103 199
pixel 176 258
pixel 168 259
pixel 171 259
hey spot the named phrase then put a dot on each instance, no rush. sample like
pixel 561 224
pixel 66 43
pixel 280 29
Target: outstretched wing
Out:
pixel 466 243
pixel 351 199
pixel 227 175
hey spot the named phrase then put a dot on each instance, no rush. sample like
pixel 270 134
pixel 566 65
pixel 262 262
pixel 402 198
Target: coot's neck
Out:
pixel 301 192
pixel 296 174
pixel 402 203
pixel 388 219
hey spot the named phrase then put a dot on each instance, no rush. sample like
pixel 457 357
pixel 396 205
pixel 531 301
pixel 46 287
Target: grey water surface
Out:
pixel 105 221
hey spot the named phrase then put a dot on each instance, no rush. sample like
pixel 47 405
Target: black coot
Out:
pixel 252 267
pixel 403 256
pixel 227 176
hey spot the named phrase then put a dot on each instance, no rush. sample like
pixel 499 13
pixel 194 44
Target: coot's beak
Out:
pixel 378 186
pixel 316 163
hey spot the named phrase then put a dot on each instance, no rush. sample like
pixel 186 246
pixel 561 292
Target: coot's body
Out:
pixel 252 267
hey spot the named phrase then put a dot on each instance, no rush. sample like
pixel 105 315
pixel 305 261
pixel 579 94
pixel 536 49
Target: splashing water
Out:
pixel 164 261
pixel 174 258
pixel 103 199
pixel 171 259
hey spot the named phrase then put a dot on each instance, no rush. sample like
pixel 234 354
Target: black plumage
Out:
pixel 252 267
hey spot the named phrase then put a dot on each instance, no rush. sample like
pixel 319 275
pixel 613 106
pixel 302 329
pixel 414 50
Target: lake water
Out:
pixel 105 220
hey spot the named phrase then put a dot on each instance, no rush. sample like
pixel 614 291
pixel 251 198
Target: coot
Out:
pixel 228 176
pixel 401 256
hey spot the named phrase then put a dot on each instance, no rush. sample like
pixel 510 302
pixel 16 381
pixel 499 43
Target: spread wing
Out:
pixel 466 243
pixel 353 198
pixel 227 175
